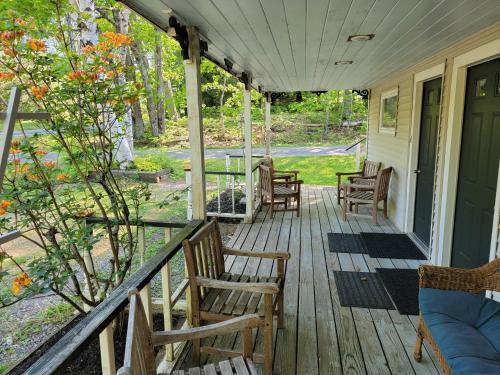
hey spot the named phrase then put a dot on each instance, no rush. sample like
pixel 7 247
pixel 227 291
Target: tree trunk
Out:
pixel 347 101
pixel 160 82
pixel 221 106
pixel 171 107
pixel 142 63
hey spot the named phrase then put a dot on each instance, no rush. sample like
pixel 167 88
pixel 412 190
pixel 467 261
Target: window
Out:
pixel 389 111
pixel 481 87
pixel 497 91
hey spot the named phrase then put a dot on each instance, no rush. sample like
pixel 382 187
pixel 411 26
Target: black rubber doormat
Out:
pixel 389 245
pixel 362 289
pixel 402 285
pixel 346 243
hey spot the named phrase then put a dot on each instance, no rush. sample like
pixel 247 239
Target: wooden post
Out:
pixel 167 301
pixel 195 125
pixel 141 243
pixel 8 130
pixel 228 169
pixel 107 348
pixel 189 214
pixel 247 119
pixel 268 124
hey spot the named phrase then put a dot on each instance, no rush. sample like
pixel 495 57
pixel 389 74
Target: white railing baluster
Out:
pixel 166 283
pixel 232 195
pixel 218 194
pixel 189 194
pixel 228 169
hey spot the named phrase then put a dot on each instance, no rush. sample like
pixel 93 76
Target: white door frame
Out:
pixel 419 79
pixel 449 180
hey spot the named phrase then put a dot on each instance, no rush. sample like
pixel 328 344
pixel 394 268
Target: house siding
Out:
pixel 394 150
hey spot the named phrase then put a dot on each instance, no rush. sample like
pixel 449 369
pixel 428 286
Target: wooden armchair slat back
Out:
pixel 371 168
pixel 139 355
pixel 266 180
pixel 382 184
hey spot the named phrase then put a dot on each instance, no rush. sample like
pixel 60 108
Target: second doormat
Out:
pixel 402 285
pixel 389 245
pixel 346 243
pixel 362 289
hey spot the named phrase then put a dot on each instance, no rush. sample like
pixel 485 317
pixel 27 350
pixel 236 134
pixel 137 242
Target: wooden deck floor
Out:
pixel 320 336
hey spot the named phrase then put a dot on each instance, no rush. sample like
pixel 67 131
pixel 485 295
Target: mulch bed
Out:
pixel 89 360
pixel 226 206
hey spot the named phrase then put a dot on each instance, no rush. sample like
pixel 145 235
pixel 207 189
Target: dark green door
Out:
pixel 479 155
pixel 431 100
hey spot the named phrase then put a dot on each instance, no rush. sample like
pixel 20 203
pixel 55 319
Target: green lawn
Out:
pixel 314 170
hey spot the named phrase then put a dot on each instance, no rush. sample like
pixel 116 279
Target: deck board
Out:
pixel 320 336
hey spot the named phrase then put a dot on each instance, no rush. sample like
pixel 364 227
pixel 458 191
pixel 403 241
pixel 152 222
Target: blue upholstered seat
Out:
pixel 466 328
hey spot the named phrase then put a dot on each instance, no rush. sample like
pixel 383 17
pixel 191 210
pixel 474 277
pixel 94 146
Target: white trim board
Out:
pixel 444 230
pixel 418 85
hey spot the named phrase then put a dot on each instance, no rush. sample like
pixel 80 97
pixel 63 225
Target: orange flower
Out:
pixel 23 280
pixel 116 39
pixel 39 92
pixel 2 211
pixel 37 45
pixel 16 288
pixel 9 52
pixel 103 46
pixel 6 75
pixel 41 152
pixel 49 164
pixel 61 177
pixel 5 204
pixel 88 49
pixel 91 78
pixel 74 75
pixel 25 168
pixel 20 22
pixel 131 100
pixel 110 74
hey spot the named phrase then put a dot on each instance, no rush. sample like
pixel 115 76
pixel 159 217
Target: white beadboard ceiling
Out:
pixel 292 45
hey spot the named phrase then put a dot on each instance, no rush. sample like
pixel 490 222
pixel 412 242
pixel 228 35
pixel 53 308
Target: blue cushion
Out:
pixel 472 365
pixel 465 326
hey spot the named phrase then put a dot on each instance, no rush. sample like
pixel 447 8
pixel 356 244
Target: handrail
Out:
pixel 354 144
pixel 242 156
pixel 67 348
pixel 229 173
pixel 140 222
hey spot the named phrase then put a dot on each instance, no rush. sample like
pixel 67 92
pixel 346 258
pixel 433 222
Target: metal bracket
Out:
pixel 364 93
pixel 246 79
pixel 181 35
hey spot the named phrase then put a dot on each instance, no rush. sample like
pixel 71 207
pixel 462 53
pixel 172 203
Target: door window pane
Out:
pixel 481 87
pixel 497 92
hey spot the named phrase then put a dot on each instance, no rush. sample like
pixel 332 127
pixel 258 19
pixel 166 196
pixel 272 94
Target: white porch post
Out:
pixel 195 125
pixel 247 118
pixel 268 124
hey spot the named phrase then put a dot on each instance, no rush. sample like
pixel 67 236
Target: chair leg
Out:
pixel 272 208
pixel 356 208
pixel 344 209
pixel 418 345
pixel 196 343
pixel 298 205
pixel 280 310
pixel 268 334
pixel 385 208
pixel 374 214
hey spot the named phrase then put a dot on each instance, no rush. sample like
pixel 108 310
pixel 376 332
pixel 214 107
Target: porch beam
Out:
pixel 195 125
pixel 247 124
pixel 268 124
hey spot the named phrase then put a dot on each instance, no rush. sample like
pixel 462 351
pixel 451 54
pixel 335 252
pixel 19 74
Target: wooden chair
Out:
pixel 476 280
pixel 217 295
pixel 369 171
pixel 280 174
pixel 140 357
pixel 356 194
pixel 275 192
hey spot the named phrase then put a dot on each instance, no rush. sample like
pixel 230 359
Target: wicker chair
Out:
pixel 369 171
pixel 475 280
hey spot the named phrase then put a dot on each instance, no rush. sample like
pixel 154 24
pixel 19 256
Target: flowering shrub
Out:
pixel 80 87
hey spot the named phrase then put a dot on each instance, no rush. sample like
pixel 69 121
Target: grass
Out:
pixel 314 170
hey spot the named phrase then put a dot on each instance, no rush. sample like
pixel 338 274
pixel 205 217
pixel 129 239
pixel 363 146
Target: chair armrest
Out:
pixel 347 173
pixel 294 172
pixel 295 182
pixel 358 186
pixel 362 178
pixel 449 278
pixel 264 288
pixel 257 254
pixel 232 325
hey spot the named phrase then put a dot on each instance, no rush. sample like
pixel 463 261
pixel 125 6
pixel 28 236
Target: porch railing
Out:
pixel 99 322
pixel 358 145
pixel 228 185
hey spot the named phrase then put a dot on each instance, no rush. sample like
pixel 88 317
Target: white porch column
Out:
pixel 268 124
pixel 195 125
pixel 247 119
